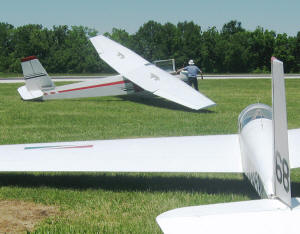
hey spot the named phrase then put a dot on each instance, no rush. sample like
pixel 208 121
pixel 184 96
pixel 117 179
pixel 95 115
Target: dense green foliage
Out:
pixel 232 49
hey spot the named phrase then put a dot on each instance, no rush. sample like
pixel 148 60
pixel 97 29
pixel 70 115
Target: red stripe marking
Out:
pixel 94 86
pixel 77 147
pixel 58 147
pixel 28 58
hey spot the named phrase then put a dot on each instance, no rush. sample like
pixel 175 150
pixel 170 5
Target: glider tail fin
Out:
pixel 36 79
pixel 281 170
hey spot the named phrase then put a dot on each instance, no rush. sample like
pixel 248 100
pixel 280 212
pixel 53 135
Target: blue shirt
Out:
pixel 192 70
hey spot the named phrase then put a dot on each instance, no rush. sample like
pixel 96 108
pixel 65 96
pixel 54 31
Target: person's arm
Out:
pixel 201 74
pixel 179 70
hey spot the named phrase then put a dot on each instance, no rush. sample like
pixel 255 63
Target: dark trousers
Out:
pixel 192 81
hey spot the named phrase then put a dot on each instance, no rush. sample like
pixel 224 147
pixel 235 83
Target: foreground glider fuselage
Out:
pixel 137 75
pixel 264 150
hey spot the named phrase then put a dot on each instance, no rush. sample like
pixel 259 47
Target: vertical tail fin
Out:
pixel 280 134
pixel 36 79
pixel 35 75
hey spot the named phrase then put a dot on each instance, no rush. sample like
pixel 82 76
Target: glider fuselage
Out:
pixel 46 90
pixel 255 137
pixel 108 86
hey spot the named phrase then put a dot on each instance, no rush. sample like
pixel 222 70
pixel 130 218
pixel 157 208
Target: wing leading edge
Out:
pixel 215 153
pixel 220 153
pixel 147 75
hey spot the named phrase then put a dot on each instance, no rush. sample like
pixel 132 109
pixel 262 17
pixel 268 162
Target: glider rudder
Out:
pixel 281 168
pixel 36 79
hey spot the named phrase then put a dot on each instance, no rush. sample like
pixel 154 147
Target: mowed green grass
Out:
pixel 8 75
pixel 129 202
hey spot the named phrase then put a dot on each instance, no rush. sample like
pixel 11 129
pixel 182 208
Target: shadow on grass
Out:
pixel 129 182
pixel 152 100
pixel 295 189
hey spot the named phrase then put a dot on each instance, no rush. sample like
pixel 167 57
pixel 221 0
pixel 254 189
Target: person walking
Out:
pixel 192 71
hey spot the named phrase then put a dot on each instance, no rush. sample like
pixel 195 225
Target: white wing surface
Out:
pixel 220 153
pixel 147 75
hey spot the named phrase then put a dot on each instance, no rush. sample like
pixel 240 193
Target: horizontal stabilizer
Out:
pixel 27 95
pixel 247 217
pixel 147 75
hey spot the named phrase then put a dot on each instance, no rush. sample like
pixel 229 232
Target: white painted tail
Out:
pixel 281 151
pixel 36 79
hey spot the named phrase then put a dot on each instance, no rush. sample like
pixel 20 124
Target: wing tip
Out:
pixel 29 58
pixel 206 106
pixel 274 59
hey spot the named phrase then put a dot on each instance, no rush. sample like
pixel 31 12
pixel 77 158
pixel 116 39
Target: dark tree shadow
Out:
pixel 129 182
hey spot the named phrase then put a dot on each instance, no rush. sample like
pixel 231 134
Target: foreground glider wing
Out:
pixel 169 154
pixel 215 153
pixel 147 75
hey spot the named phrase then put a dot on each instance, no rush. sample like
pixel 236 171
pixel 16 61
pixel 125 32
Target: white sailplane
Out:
pixel 263 149
pixel 137 75
pixel 267 151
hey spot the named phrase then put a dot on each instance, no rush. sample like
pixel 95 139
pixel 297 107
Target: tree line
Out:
pixel 232 49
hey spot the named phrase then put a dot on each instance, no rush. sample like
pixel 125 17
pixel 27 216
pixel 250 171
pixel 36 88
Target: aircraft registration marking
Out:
pixel 257 183
pixel 154 77
pixel 122 56
pixel 282 172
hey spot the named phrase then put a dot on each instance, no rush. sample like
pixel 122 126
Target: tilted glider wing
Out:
pixel 147 75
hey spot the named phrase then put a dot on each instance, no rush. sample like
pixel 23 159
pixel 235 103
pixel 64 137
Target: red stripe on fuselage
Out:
pixel 93 86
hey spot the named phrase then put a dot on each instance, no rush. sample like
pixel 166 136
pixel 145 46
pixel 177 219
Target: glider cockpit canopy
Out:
pixel 252 112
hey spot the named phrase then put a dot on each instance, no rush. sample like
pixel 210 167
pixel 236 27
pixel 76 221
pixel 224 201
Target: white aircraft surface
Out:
pixel 264 150
pixel 137 75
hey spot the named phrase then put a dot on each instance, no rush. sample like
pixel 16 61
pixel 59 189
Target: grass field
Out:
pixel 128 202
